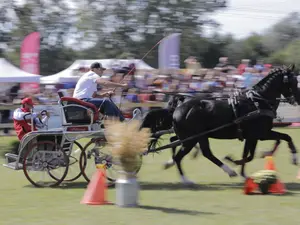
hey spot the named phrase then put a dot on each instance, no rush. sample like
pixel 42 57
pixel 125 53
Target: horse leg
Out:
pixel 272 152
pixel 206 151
pixel 171 162
pixel 274 135
pixel 197 152
pixel 185 149
pixel 251 147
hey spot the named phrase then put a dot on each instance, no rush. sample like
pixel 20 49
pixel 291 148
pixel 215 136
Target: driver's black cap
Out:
pixel 97 65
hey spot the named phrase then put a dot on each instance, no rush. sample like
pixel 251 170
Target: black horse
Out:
pixel 160 121
pixel 246 116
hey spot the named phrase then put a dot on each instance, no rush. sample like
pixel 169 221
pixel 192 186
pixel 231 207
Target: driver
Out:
pixel 86 90
pixel 21 122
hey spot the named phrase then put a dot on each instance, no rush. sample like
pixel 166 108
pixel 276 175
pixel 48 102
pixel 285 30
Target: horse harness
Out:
pixel 253 96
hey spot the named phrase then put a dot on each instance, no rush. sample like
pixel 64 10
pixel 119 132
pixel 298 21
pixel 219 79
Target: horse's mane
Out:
pixel 264 83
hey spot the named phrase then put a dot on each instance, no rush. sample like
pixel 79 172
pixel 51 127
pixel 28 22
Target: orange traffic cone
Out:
pixel 96 190
pixel 269 165
pixel 277 188
pixel 250 187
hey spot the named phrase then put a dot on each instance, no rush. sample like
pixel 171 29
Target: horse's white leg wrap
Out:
pixel 169 163
pixel 228 170
pixel 186 181
pixel 295 158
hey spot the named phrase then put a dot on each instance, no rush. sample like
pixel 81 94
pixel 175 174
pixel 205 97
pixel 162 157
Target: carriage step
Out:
pixel 14 165
pixel 11 161
pixel 11 157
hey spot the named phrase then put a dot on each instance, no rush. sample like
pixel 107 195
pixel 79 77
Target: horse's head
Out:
pixel 290 85
pixel 174 101
pixel 280 81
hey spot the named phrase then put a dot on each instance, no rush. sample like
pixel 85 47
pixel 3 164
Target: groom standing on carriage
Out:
pixel 86 90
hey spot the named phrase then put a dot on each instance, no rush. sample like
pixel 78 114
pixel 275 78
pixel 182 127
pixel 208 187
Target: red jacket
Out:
pixel 21 126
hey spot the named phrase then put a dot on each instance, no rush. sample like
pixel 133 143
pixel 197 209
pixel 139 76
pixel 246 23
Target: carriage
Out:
pixel 50 156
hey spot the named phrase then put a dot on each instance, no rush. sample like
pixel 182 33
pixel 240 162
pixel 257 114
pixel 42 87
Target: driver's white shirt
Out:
pixel 86 85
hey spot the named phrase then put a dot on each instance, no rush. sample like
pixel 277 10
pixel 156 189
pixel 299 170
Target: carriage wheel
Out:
pixel 45 164
pixel 96 153
pixel 74 171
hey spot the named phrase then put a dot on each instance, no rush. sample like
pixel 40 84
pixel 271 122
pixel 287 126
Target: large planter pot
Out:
pixel 127 190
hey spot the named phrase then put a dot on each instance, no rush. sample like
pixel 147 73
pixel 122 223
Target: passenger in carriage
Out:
pixel 21 126
pixel 86 90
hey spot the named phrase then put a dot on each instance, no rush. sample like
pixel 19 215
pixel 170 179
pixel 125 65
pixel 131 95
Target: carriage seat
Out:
pixel 78 115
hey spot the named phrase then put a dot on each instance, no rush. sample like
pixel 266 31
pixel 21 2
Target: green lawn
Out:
pixel 217 199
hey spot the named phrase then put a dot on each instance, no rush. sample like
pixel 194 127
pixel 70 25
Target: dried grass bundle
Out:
pixel 127 142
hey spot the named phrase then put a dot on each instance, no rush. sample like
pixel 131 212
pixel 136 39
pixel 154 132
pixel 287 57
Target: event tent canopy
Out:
pixel 11 74
pixel 72 74
pixel 65 76
pixel 113 63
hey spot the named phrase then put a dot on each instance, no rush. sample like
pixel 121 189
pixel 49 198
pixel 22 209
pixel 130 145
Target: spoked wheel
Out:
pixel 74 154
pixel 45 164
pixel 95 153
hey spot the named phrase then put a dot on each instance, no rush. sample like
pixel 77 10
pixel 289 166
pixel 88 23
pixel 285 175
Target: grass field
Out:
pixel 217 199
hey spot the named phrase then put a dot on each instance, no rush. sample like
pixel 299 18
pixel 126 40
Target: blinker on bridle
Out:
pixel 290 99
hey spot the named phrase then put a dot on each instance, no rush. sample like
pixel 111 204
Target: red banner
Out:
pixel 30 54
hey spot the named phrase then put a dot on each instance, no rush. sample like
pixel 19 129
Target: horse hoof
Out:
pixel 244 177
pixel 295 162
pixel 233 174
pixel 190 185
pixel 265 154
pixel 187 182
pixel 168 165
pixel 295 159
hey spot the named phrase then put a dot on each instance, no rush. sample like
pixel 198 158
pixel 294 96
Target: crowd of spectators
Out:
pixel 146 85
pixel 152 86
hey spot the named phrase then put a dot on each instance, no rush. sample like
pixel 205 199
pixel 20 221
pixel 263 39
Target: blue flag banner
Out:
pixel 169 52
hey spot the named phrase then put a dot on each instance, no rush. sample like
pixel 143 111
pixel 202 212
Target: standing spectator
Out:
pixel 223 65
pixel 244 64
pixel 5 118
pixel 249 77
pixel 259 66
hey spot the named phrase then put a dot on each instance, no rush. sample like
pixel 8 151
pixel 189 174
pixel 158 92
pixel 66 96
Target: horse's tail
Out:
pixel 157 120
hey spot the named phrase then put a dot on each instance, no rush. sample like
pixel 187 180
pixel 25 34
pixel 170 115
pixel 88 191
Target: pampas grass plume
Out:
pixel 127 141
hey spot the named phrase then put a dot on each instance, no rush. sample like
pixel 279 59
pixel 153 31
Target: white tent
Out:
pixel 11 74
pixel 112 63
pixel 59 78
pixel 65 76
pixel 71 74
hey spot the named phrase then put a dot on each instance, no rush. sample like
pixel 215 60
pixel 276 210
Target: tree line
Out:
pixel 90 29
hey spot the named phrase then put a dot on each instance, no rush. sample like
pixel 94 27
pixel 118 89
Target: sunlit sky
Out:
pixel 242 17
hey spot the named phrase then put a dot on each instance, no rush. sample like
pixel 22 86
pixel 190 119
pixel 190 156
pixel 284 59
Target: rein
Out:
pixel 147 53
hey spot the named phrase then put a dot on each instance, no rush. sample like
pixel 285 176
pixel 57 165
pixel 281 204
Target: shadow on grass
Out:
pixel 292 188
pixel 68 185
pixel 195 187
pixel 174 210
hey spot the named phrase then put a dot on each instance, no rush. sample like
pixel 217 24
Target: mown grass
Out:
pixel 217 199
